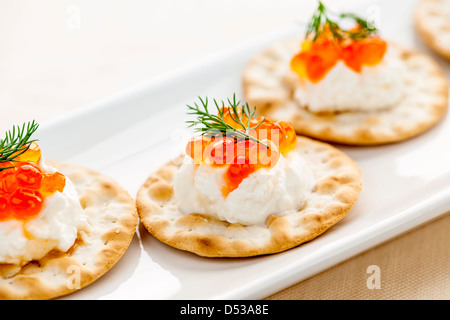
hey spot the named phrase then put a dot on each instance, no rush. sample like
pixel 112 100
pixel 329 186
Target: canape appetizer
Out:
pixel 246 186
pixel 347 86
pixel 61 226
pixel 432 20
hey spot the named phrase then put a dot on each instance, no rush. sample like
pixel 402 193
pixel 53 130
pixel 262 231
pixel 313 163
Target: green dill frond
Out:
pixel 211 124
pixel 322 18
pixel 17 141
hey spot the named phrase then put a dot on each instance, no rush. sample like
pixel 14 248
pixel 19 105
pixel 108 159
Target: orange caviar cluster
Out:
pixel 23 186
pixel 243 156
pixel 321 55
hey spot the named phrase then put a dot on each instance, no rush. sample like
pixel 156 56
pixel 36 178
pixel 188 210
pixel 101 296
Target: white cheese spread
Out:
pixel 342 89
pixel 278 191
pixel 55 228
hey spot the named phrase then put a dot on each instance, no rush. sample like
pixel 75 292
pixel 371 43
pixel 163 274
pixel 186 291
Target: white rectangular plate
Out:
pixel 130 135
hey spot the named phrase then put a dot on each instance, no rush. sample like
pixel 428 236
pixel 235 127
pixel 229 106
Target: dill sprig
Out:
pixel 321 21
pixel 210 124
pixel 16 142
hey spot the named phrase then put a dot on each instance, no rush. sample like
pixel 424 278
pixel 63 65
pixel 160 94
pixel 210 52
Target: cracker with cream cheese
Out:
pixel 432 21
pixel 112 220
pixel 269 84
pixel 337 188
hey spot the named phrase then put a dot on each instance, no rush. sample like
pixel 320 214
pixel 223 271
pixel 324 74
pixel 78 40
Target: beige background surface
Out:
pixel 412 266
pixel 58 55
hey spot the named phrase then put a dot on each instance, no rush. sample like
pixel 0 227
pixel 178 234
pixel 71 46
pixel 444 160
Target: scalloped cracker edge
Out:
pixel 432 22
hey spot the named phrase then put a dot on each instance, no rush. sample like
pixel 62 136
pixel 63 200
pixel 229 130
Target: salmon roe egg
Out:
pixel 315 62
pixel 25 203
pixel 196 148
pixel 33 154
pixel 4 207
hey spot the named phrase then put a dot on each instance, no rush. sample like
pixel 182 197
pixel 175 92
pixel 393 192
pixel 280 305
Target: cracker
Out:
pixel 432 21
pixel 268 84
pixel 338 185
pixel 112 221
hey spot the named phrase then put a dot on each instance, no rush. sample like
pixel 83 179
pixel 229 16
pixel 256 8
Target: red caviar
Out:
pixel 243 156
pixel 24 186
pixel 321 55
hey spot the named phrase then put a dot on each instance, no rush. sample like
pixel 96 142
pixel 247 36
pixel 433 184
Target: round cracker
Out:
pixel 338 185
pixel 112 220
pixel 269 83
pixel 432 21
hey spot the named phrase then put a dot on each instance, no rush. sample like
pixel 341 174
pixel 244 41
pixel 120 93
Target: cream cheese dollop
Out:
pixel 277 191
pixel 55 228
pixel 342 89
